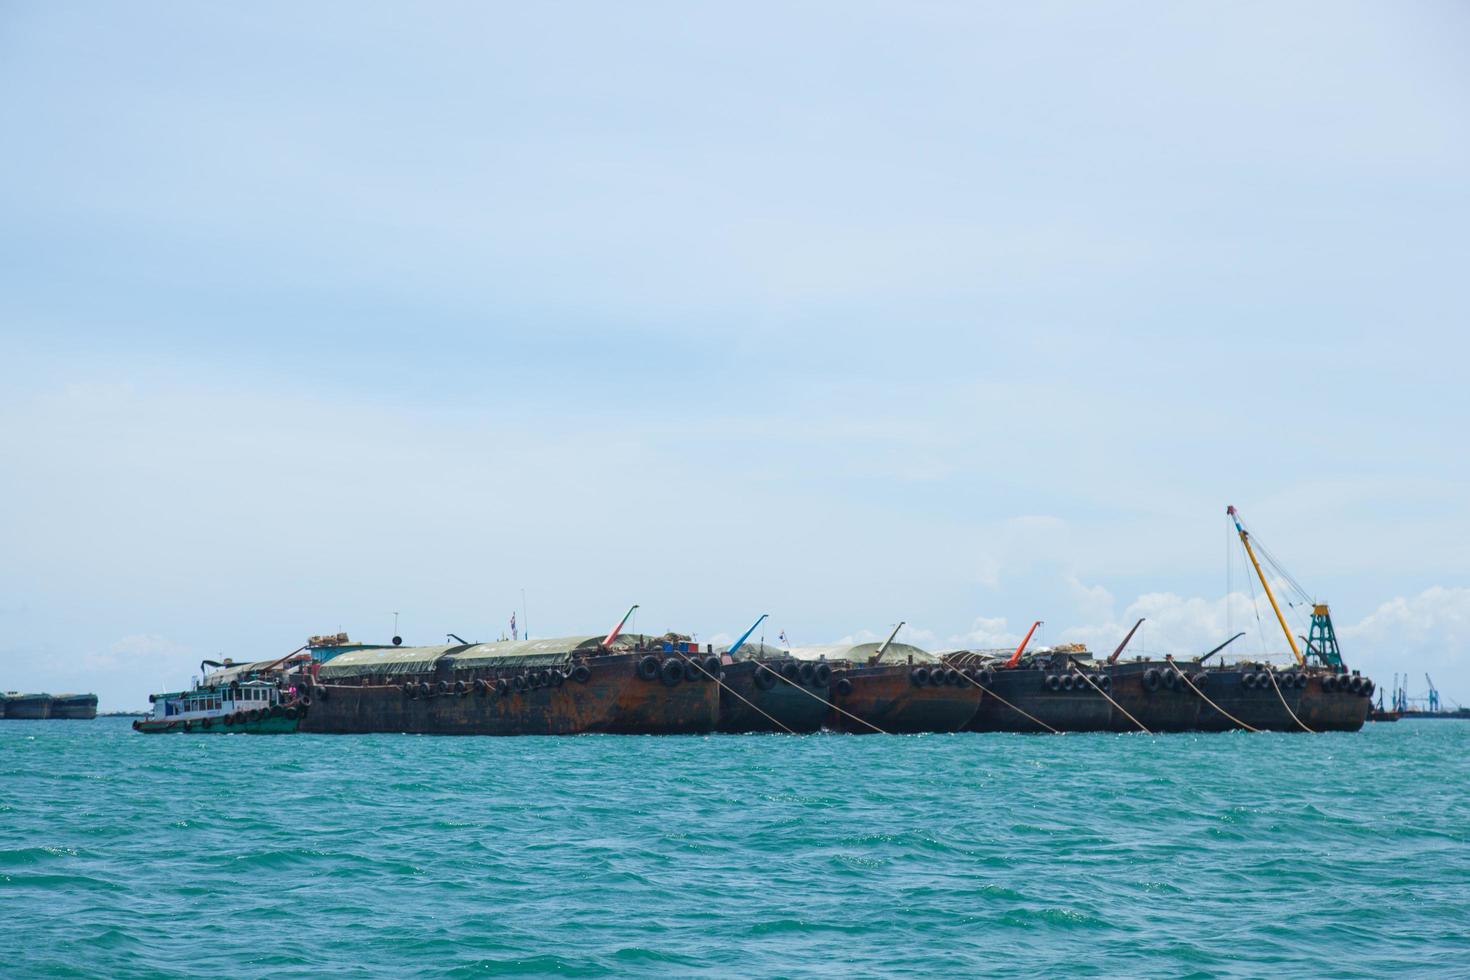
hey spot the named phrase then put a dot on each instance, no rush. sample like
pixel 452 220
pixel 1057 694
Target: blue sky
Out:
pixel 959 314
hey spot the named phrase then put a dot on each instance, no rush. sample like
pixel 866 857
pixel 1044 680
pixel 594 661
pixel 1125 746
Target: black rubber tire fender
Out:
pixel 1368 687
pixel 671 672
pixel 648 668
pixel 1105 681
pixel 691 669
pixel 408 689
pixel 1171 678
pixel 460 687
pixel 253 714
pixel 1329 683
pixel 1151 679
pixel 292 713
pixel 791 671
pixel 765 678
pixel 557 677
pixel 712 667
pixel 1301 680
pixel 919 676
pixel 821 675
pixel 842 686
pixel 207 723
pixel 1053 682
pixel 321 691
pixel 581 673
pixel 502 686
pixel 807 672
pixel 482 686
pixel 520 683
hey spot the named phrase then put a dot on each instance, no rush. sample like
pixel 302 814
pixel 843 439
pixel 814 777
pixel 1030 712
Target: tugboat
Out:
pixel 248 707
pixel 892 688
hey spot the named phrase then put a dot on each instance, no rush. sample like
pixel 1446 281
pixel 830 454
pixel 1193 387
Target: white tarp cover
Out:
pixel 859 653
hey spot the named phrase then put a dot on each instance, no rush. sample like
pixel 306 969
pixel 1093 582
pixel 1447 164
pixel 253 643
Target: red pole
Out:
pixel 1020 649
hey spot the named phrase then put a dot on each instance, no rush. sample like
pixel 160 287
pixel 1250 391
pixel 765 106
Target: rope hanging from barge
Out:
pixel 1078 671
pixel 1277 688
pixel 1003 701
pixel 1185 679
pixel 723 686
pixel 823 700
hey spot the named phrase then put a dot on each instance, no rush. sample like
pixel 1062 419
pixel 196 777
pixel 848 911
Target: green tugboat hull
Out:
pixel 270 725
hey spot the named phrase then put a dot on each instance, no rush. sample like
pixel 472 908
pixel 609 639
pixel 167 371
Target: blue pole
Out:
pixel 746 635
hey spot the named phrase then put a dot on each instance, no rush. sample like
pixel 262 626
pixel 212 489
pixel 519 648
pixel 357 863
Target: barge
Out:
pixel 558 686
pixel 14 704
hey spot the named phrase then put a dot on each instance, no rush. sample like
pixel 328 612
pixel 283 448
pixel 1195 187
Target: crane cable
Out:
pixel 1277 687
pixel 1185 679
pixel 1115 704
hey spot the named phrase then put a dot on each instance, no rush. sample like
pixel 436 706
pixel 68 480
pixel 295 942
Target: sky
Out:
pixel 958 314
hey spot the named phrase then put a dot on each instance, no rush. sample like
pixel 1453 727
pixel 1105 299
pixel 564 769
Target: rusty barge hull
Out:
pixel 1021 702
pixel 759 696
pixel 28 706
pixel 1161 707
pixel 899 699
pixel 606 695
pixel 1319 703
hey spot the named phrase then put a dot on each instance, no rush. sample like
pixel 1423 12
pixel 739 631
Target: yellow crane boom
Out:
pixel 1245 539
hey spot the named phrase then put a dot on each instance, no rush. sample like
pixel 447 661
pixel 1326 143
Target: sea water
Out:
pixel 1341 855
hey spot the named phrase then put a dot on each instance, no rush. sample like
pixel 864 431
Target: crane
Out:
pixel 1321 639
pixel 1433 694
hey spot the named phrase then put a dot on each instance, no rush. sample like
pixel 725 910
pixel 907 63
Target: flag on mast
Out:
pixel 513 626
pixel 785 642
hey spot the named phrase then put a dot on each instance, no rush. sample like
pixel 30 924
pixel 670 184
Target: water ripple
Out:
pixel 1010 856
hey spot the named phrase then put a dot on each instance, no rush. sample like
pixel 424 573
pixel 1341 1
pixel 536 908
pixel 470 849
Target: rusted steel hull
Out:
pixel 1160 707
pixel 28 706
pixel 613 699
pixel 1079 710
pixel 81 707
pixel 1179 709
pixel 757 698
pixel 886 697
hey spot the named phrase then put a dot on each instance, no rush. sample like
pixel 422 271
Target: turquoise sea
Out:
pixel 1268 855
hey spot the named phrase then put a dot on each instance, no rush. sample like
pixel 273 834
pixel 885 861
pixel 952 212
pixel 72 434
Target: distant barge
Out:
pixel 14 704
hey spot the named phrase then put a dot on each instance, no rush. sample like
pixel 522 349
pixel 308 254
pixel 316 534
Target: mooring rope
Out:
pixel 1115 704
pixel 829 704
pixel 1272 674
pixel 1185 679
pixel 700 667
